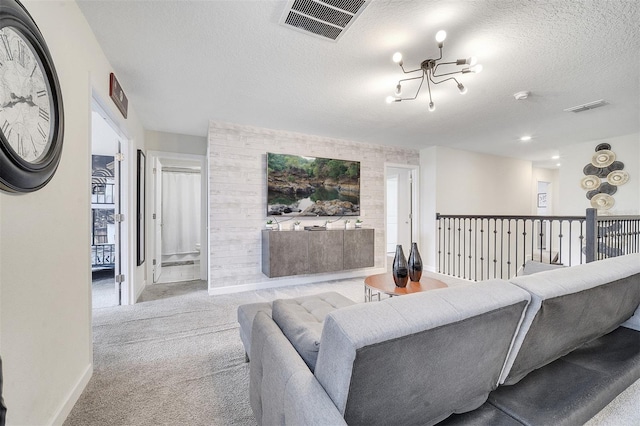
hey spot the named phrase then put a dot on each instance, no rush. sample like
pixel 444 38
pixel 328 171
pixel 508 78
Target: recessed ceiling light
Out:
pixel 555 157
pixel 525 138
pixel 521 95
pixel 558 164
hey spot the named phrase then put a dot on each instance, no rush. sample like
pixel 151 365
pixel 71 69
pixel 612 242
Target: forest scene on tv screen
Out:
pixel 311 186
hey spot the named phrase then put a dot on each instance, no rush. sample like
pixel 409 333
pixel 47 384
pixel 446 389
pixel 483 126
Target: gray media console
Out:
pixel 287 253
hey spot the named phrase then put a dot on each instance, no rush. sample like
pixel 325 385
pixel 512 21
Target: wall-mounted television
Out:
pixel 312 186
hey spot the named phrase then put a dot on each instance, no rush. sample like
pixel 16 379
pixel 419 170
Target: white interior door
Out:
pixel 401 199
pixel 404 209
pixel 392 213
pixel 118 222
pixel 157 220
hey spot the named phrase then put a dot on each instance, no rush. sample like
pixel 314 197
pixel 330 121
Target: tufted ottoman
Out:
pixel 306 309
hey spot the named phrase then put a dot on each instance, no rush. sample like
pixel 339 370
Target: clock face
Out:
pixel 26 109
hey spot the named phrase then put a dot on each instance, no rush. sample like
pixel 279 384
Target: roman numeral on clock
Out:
pixel 44 114
pixel 7 48
pixel 35 150
pixel 41 93
pixel 41 131
pixel 5 127
pixel 21 55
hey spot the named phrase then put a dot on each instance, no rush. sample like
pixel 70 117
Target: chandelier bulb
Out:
pixel 390 99
pixel 397 58
pixel 472 60
pixel 462 89
pixel 476 69
pixel 398 90
pixel 432 107
pixel 441 36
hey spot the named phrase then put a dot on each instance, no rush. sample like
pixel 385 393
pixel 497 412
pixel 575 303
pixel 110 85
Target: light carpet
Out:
pixel 176 358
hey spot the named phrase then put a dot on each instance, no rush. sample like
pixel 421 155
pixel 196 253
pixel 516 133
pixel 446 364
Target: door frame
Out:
pixel 415 201
pixel 124 245
pixel 153 157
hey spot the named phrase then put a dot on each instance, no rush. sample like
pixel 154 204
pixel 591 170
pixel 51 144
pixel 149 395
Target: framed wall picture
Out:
pixel 542 199
pixel 141 240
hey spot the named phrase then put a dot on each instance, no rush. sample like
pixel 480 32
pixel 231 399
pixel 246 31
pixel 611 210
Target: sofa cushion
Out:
pixel 301 320
pixel 572 389
pixel 570 307
pixel 417 359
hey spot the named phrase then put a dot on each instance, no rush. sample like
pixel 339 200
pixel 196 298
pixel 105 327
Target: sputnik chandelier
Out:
pixel 428 68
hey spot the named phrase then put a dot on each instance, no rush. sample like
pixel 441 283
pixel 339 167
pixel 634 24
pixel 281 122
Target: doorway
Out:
pixel 179 217
pixel 543 208
pixel 401 195
pixel 107 178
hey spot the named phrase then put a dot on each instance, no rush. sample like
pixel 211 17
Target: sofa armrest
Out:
pixel 283 390
pixel 307 403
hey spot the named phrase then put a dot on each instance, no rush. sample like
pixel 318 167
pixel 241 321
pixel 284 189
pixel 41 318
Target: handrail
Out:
pixel 479 247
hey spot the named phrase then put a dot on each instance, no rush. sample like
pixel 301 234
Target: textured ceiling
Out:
pixel 183 63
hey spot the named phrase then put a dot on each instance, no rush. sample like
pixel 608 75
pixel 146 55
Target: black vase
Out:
pixel 415 263
pixel 400 270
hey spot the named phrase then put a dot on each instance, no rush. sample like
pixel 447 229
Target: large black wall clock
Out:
pixel 31 113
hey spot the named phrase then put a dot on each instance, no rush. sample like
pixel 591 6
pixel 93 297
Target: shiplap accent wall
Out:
pixel 238 198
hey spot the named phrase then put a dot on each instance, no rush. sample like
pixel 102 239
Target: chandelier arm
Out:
pixel 440 54
pixel 442 81
pixel 412 78
pixel 409 72
pixel 417 91
pixel 429 87
pixel 448 73
pixel 445 63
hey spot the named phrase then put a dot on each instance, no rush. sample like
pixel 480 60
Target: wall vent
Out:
pixel 327 19
pixel 588 106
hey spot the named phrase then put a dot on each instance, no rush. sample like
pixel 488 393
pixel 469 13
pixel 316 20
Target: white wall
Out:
pixel 172 142
pixel 468 183
pixel 473 183
pixel 45 280
pixel 573 199
pixel 237 183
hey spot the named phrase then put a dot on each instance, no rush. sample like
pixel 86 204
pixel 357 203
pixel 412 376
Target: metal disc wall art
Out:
pixel 603 158
pixel 603 176
pixel 602 201
pixel 618 177
pixel 590 182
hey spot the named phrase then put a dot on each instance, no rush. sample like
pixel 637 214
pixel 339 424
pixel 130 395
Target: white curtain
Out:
pixel 180 212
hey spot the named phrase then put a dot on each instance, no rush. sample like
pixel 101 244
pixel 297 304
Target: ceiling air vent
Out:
pixel 588 106
pixel 327 19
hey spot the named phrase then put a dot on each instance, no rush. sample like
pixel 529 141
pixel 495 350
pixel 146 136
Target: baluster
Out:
pixel 438 220
pixel 509 249
pixel 524 242
pixel 475 249
pixel 470 248
pixel 459 248
pixel 481 249
pixel 495 246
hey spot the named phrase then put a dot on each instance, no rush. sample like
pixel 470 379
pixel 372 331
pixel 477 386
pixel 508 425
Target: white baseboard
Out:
pixel 295 280
pixel 139 292
pixel 62 414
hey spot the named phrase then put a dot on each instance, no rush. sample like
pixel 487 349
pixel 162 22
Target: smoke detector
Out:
pixel 521 95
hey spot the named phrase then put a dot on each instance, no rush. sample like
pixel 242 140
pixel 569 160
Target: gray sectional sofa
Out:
pixel 540 349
